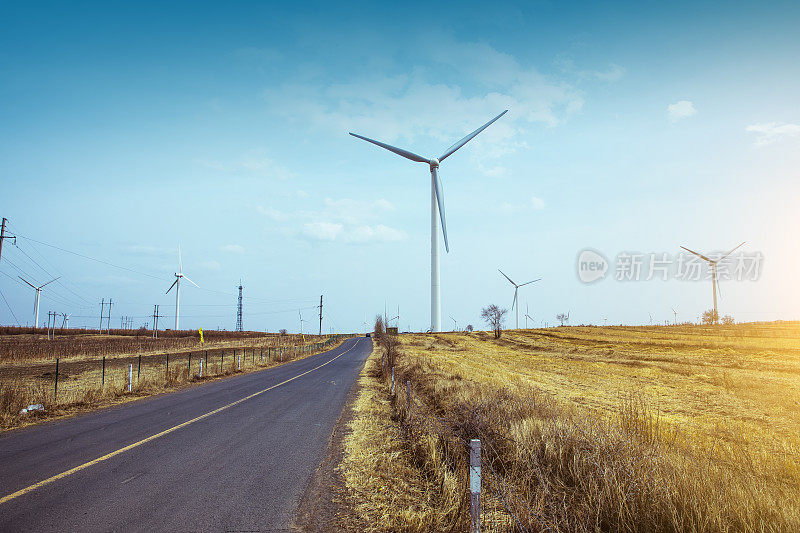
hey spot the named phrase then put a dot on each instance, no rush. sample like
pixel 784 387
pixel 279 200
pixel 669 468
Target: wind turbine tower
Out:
pixel 177 284
pixel 437 206
pixel 239 309
pixel 514 304
pixel 714 278
pixel 36 301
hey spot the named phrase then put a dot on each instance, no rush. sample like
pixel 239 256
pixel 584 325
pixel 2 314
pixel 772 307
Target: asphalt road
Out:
pixel 242 468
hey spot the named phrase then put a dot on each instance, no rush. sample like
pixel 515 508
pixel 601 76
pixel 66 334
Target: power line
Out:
pixel 9 308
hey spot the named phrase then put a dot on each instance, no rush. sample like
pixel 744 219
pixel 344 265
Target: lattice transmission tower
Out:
pixel 239 309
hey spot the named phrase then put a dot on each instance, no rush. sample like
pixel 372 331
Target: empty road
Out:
pixel 230 455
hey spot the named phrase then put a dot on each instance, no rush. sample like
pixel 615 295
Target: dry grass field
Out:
pixel 99 377
pixel 671 428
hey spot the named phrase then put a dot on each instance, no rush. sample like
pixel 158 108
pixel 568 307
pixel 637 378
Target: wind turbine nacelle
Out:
pixel 434 163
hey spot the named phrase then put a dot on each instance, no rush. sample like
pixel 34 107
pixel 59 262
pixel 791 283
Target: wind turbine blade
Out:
pixel 49 282
pixel 170 287
pixel 28 282
pixel 538 279
pixel 440 201
pixel 698 255
pixel 180 263
pixel 399 151
pixel 192 282
pixel 509 279
pixel 469 137
pixel 729 253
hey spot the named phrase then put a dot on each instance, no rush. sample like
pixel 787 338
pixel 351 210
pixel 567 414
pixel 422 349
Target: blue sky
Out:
pixel 128 130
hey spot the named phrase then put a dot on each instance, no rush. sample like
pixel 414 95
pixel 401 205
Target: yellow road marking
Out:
pixel 107 456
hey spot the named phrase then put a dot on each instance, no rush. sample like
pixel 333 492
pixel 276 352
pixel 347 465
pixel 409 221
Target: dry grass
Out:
pixel 82 387
pixel 590 429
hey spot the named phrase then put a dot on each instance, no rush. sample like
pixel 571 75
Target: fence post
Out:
pixel 408 395
pixel 139 369
pixel 189 368
pixel 254 356
pixel 222 361
pixel 55 389
pixel 103 379
pixel 475 485
pixel 167 378
pixel 130 378
pixel 392 381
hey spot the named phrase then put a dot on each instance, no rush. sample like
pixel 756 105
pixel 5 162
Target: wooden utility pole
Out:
pixel 320 315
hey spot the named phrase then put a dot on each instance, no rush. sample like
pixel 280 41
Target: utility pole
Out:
pixel 239 309
pixel 3 236
pixel 156 316
pixel 108 321
pixel 102 308
pixel 320 315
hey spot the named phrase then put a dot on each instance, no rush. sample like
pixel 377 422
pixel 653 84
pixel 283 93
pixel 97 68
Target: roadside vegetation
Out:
pixel 80 383
pixel 665 428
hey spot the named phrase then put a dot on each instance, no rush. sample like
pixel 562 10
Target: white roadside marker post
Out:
pixel 393 381
pixel 201 368
pixel 475 485
pixel 239 362
pixel 130 378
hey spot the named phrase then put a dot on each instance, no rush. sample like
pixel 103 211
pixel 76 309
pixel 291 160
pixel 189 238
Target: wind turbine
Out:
pixel 177 285
pixel 36 301
pixel 437 204
pixel 301 322
pixel 676 315
pixel 527 316
pixel 516 289
pixel 455 323
pixel 714 279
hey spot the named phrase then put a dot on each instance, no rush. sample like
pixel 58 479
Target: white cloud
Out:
pixel 405 109
pixel 771 132
pixel 335 232
pixel 253 163
pixel 233 248
pixel 211 265
pixel 273 214
pixel 611 74
pixel 510 208
pixel 680 110
pixel 322 231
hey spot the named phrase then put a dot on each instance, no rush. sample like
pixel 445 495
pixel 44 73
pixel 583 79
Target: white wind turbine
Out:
pixel 437 204
pixel 714 278
pixel 527 316
pixel 516 289
pixel 36 301
pixel 177 285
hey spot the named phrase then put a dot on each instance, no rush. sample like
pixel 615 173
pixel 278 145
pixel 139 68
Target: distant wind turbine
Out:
pixel 455 323
pixel 177 285
pixel 437 204
pixel 714 278
pixel 516 290
pixel 36 301
pixel 676 315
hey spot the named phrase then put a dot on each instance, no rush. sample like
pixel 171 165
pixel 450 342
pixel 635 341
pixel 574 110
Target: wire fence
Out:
pixel 70 382
pixel 501 508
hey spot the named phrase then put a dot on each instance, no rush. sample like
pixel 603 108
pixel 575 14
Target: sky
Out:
pixel 632 129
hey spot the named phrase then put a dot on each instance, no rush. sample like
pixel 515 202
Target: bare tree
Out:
pixel 282 331
pixel 494 317
pixel 727 320
pixel 470 328
pixel 710 317
pixel 562 317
